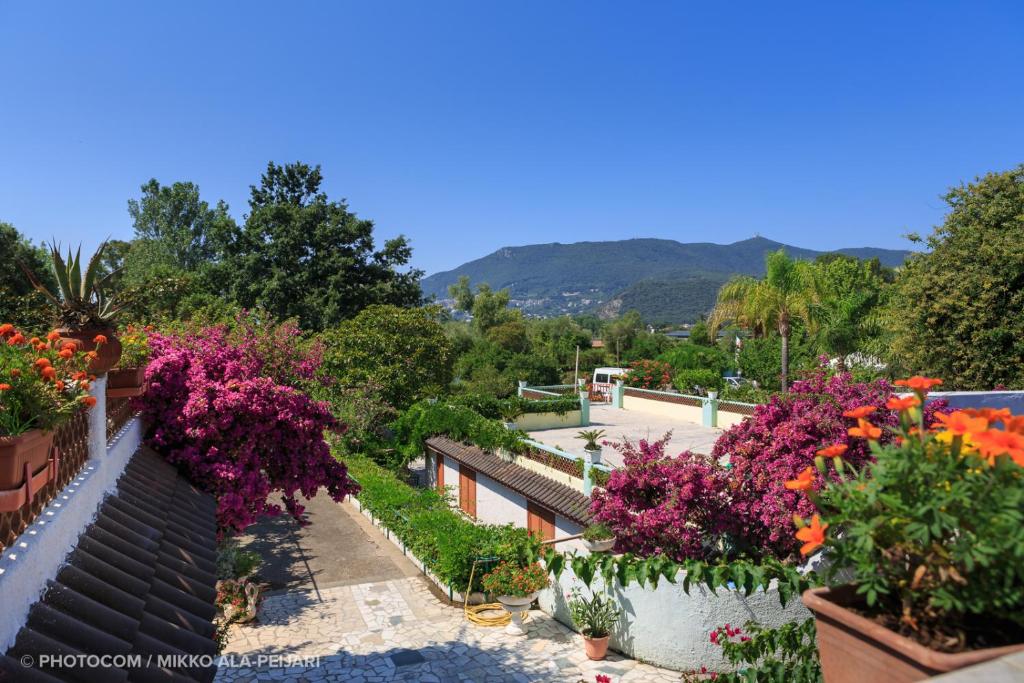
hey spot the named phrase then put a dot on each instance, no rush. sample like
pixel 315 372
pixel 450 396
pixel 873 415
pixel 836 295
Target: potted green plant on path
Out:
pixel 591 443
pixel 516 588
pixel 42 383
pixel 598 538
pixel 86 314
pixel 129 375
pixel 928 540
pixel 595 619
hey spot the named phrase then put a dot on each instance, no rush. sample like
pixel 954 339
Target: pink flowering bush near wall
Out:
pixel 224 404
pixel 693 507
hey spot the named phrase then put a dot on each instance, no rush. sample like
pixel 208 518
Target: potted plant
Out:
pixel 510 411
pixel 129 376
pixel 42 383
pixel 86 314
pixel 590 438
pixel 929 544
pixel 598 538
pixel 516 588
pixel 594 618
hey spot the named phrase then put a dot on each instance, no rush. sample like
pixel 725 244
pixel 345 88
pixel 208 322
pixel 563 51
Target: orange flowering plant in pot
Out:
pixel 42 383
pixel 925 545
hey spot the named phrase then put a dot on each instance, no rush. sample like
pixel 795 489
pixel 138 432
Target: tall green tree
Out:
pixel 488 307
pixel 20 304
pixel 302 255
pixel 958 308
pixel 786 294
pixel 848 291
pixel 619 334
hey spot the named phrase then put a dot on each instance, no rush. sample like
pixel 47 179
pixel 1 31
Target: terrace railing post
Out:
pixel 584 409
pixel 522 385
pixel 618 394
pixel 710 404
pixel 98 419
pixel 588 480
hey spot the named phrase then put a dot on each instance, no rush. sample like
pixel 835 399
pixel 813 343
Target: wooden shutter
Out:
pixel 467 490
pixel 440 472
pixel 540 521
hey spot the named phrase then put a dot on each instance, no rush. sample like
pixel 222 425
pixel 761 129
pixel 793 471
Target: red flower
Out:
pixel 858 413
pixel 99 339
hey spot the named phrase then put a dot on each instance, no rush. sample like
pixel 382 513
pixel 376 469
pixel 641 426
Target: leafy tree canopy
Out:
pixel 958 309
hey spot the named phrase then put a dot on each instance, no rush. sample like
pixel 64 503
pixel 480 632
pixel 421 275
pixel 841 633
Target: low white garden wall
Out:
pixel 530 422
pixel 673 411
pixel 728 418
pixel 666 627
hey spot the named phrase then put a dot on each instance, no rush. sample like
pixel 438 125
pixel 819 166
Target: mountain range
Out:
pixel 665 280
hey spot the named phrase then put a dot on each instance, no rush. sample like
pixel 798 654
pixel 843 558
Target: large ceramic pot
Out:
pixel 516 606
pixel 596 648
pixel 32 447
pixel 601 546
pixel 109 353
pixel 125 382
pixel 854 649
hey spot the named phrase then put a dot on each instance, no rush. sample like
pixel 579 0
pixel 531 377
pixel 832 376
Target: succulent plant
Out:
pixel 591 437
pixel 79 297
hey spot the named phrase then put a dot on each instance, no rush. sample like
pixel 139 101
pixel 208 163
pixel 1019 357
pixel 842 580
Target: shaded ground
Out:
pixel 634 425
pixel 336 549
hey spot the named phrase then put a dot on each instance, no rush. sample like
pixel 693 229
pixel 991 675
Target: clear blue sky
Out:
pixel 469 126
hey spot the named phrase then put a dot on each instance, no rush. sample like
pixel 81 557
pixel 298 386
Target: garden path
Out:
pixel 384 622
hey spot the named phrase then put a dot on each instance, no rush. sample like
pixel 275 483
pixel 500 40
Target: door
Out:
pixel 540 521
pixel 467 490
pixel 440 472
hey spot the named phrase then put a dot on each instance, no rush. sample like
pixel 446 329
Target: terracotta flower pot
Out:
pixel 125 382
pixel 596 648
pixel 32 447
pixel 109 353
pixel 854 649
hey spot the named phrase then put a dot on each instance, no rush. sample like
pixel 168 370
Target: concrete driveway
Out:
pixel 633 425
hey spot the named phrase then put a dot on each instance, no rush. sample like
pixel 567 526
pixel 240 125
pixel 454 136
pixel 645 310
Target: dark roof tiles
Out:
pixel 559 498
pixel 141 581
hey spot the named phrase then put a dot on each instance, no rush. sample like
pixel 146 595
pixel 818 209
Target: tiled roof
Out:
pixel 141 581
pixel 546 492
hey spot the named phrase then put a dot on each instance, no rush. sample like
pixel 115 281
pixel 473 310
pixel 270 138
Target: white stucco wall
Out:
pixel 727 419
pixel 668 628
pixel 497 504
pixel 451 480
pixel 672 411
pixel 529 422
pixel 566 527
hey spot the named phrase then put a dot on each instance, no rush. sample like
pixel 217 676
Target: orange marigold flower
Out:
pixel 66 354
pixel 79 376
pixel 803 481
pixel 5 387
pixel 995 442
pixel 49 373
pixel 92 355
pixel 918 383
pixel 53 336
pixel 69 344
pixel 858 413
pixel 60 385
pixel 1014 424
pixel 990 414
pixel 904 403
pixel 88 400
pixel 6 329
pixel 865 430
pixel 960 423
pixel 42 362
pixel 16 372
pixel 17 338
pixel 833 451
pixel 812 535
pixel 84 386
pixel 99 339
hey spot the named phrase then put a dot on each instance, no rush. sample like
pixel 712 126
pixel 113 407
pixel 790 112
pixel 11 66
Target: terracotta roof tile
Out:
pixel 557 497
pixel 141 581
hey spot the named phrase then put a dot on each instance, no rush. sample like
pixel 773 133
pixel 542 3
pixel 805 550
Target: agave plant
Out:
pixel 80 298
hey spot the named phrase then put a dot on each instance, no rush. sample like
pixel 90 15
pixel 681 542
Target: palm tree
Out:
pixel 786 293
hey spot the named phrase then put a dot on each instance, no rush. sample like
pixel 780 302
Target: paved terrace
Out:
pixel 343 593
pixel 634 425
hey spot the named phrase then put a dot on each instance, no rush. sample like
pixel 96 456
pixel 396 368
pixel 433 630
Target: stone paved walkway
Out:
pixel 397 629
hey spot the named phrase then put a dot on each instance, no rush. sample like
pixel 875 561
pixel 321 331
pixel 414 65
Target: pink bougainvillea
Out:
pixel 225 405
pixel 735 501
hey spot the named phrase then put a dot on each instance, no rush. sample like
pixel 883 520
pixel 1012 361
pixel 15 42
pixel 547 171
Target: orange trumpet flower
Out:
pixel 812 535
pixel 858 413
pixel 865 430
pixel 803 481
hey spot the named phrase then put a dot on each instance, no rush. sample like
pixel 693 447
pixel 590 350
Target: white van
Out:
pixel 604 380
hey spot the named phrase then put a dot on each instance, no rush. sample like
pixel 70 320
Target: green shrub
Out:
pixel 458 422
pixel 698 381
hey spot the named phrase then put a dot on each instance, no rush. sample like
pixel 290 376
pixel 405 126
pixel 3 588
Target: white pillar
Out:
pixel 98 419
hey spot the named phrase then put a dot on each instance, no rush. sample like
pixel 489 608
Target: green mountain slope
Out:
pixel 667 281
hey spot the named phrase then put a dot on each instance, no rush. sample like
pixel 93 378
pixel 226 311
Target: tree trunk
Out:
pixel 784 377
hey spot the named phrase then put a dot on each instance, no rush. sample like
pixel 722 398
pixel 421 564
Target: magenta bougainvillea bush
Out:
pixel 226 404
pixel 662 505
pixel 694 506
